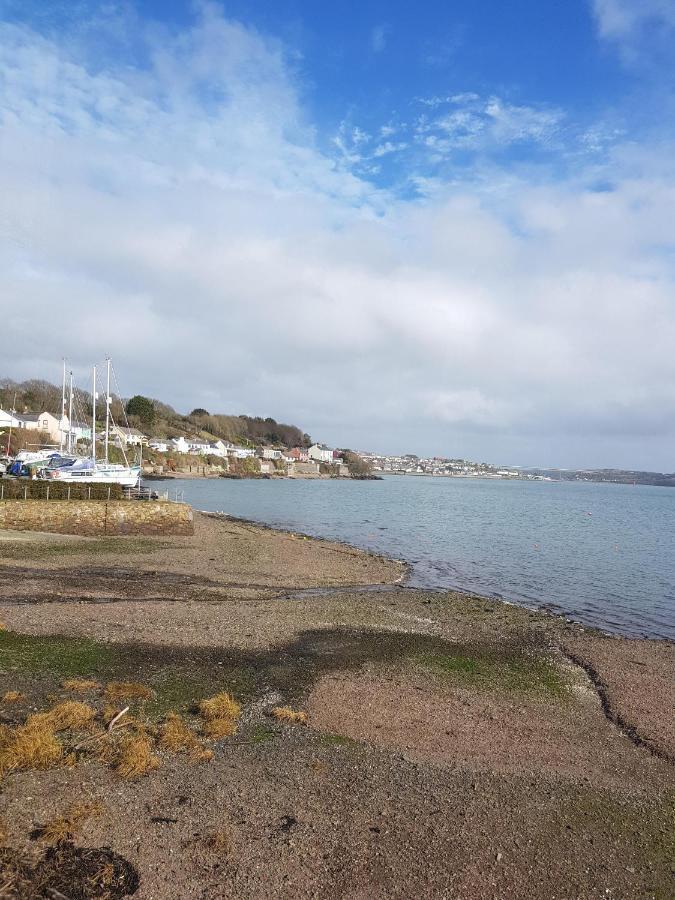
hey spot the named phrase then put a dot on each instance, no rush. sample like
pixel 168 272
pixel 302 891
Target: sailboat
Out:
pixel 90 470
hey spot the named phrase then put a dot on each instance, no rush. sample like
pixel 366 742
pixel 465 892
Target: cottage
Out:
pixel 158 446
pixel 320 453
pixel 45 422
pixel 240 452
pixel 180 445
pixel 268 453
pixel 297 454
pixel 128 437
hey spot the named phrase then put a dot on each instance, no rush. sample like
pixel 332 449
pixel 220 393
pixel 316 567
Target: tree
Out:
pixel 356 464
pixel 199 412
pixel 143 408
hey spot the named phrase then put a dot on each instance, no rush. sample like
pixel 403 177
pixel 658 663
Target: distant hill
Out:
pixel 612 476
pixel 154 417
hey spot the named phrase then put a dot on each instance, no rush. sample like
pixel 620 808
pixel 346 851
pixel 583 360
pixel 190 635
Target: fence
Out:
pixel 46 490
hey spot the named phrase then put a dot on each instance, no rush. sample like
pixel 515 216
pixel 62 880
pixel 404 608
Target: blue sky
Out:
pixel 435 227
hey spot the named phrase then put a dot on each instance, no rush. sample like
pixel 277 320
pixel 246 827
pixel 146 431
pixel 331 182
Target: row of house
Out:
pixel 132 437
pixel 60 430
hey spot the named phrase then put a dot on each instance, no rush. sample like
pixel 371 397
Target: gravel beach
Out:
pixel 453 746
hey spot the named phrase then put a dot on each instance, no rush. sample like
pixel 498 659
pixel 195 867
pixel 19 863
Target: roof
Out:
pixel 129 431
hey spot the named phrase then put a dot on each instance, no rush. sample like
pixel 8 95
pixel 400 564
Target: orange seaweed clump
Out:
pixel 222 706
pixel 175 734
pixel 80 685
pixel 30 746
pixel 128 690
pixel 219 728
pixel 64 828
pixel 12 697
pixel 67 714
pixel 220 714
pixel 286 714
pixel 201 754
pixel 135 757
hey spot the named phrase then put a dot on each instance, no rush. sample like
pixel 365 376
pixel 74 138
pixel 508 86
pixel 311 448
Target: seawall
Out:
pixel 96 517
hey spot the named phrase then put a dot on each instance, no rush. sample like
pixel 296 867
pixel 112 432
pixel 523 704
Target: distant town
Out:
pixel 410 464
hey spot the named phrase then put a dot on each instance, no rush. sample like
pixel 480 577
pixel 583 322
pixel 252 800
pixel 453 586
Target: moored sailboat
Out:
pixel 90 470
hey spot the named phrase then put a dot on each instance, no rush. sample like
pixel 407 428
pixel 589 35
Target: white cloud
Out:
pixel 389 147
pixel 182 218
pixel 619 19
pixel 478 123
pixel 378 38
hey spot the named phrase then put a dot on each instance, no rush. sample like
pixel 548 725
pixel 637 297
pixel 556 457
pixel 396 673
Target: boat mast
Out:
pixel 93 417
pixel 107 408
pixel 63 407
pixel 70 415
pixel 11 423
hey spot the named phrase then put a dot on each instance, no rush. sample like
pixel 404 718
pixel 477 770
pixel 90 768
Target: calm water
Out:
pixel 600 554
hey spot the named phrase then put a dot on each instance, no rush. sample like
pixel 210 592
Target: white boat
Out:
pixel 90 471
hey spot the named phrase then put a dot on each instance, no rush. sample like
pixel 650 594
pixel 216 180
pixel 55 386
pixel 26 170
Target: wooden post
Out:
pixel 69 492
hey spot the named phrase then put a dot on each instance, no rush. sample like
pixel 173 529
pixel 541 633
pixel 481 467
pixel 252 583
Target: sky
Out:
pixel 443 228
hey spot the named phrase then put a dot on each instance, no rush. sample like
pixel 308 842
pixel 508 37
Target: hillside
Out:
pixel 154 417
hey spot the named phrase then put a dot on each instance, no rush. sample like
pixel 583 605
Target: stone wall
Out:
pixel 96 517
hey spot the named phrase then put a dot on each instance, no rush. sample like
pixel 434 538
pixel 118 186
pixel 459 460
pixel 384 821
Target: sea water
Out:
pixel 600 554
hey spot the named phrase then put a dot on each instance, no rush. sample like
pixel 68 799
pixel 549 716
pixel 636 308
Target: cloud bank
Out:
pixel 183 215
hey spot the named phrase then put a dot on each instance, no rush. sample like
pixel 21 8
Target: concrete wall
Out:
pixel 95 517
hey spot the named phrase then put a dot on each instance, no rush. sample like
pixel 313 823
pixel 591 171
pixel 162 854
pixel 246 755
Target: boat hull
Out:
pixel 127 477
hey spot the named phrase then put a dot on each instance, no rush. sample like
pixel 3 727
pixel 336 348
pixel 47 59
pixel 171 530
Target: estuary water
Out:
pixel 600 554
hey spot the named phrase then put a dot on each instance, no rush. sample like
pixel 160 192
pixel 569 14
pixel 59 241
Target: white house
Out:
pixel 269 453
pixel 159 446
pixel 45 422
pixel 219 448
pixel 240 452
pixel 197 446
pixel 180 445
pixel 320 453
pixel 128 437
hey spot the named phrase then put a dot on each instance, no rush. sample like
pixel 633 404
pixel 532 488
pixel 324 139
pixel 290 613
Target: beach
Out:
pixel 451 745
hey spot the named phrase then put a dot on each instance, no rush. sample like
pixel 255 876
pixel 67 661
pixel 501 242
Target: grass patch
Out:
pixel 515 671
pixel 180 691
pixel 261 734
pixel 68 657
